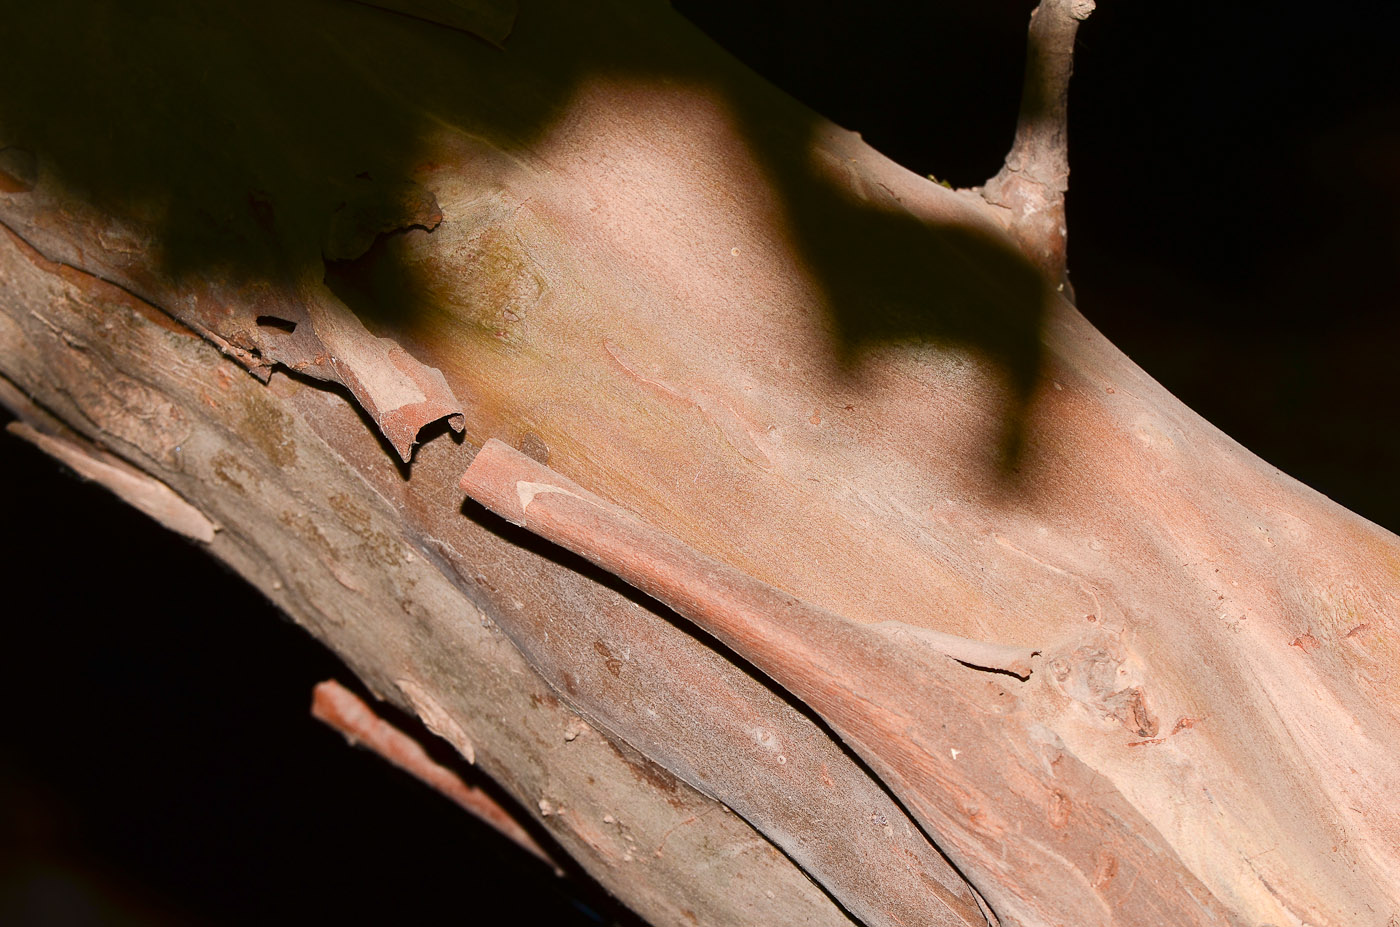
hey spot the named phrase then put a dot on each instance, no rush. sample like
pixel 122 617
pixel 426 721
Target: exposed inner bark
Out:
pixel 607 245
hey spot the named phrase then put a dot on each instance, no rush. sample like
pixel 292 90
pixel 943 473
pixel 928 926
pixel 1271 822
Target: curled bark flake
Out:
pixel 302 326
pixel 437 719
pixel 132 486
pixel 339 708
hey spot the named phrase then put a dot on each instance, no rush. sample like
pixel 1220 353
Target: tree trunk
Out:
pixel 817 561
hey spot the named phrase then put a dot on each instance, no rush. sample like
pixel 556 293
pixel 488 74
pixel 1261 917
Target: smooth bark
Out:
pixel 830 381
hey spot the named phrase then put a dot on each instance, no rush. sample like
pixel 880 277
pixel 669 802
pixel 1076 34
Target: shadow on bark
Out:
pixel 260 149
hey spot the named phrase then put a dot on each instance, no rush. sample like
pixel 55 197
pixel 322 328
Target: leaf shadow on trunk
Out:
pixel 259 145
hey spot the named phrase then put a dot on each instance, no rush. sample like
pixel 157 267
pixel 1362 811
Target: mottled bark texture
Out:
pixel 987 627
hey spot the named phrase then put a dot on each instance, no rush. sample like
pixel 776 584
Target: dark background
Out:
pixel 1232 228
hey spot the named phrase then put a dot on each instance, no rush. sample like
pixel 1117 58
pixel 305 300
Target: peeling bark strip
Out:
pixel 707 721
pixel 341 709
pixel 616 173
pixel 301 326
pixel 58 352
pixel 130 485
pixel 1044 838
pixel 979 654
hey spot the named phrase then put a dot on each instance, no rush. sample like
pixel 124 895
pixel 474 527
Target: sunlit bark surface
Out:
pixel 601 242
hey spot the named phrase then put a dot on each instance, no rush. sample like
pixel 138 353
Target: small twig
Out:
pixel 342 710
pixel 1033 181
